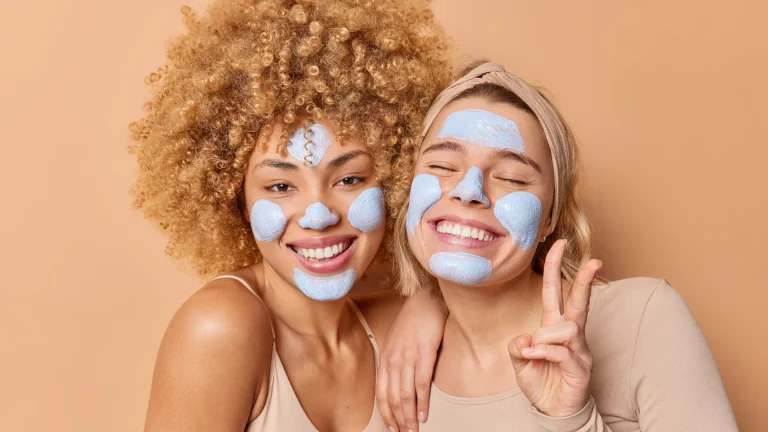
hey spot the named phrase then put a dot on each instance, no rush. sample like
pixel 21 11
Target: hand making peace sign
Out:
pixel 554 366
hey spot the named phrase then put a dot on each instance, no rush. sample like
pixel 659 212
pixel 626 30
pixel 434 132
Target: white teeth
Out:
pixel 464 231
pixel 322 253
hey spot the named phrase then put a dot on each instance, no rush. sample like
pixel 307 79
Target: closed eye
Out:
pixel 514 181
pixel 441 167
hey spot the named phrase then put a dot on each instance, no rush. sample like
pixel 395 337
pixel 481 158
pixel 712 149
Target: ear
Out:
pixel 549 228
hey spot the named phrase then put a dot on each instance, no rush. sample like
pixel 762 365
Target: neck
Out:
pixel 299 314
pixel 484 319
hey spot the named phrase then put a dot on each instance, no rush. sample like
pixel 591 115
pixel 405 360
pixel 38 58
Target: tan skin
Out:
pixel 514 330
pixel 212 371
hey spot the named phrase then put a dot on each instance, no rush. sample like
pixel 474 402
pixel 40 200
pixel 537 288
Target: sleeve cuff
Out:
pixel 573 423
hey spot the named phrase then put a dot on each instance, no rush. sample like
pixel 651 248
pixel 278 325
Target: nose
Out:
pixel 470 189
pixel 318 217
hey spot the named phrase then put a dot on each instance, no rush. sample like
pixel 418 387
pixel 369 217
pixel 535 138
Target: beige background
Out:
pixel 668 100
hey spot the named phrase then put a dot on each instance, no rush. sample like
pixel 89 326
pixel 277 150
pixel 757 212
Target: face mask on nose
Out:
pixel 318 217
pixel 471 188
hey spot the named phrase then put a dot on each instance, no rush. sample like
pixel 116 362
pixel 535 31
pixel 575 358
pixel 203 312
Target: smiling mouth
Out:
pixel 324 254
pixel 464 233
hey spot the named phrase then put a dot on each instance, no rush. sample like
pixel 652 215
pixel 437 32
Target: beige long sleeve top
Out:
pixel 653 372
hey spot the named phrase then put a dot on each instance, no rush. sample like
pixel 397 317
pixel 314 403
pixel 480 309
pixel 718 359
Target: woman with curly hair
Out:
pixel 268 155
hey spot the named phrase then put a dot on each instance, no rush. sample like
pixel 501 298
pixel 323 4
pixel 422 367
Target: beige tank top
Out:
pixel 282 410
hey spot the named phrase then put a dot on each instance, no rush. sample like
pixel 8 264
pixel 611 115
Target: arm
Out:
pixel 675 381
pixel 213 362
pixel 408 359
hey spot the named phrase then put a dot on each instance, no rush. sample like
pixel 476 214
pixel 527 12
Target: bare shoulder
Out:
pixel 214 359
pixel 223 312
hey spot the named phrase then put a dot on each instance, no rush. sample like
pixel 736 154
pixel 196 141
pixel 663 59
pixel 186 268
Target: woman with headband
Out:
pixel 267 155
pixel 530 343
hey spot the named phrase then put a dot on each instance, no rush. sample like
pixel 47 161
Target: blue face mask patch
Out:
pixel 471 188
pixel 461 268
pixel 483 128
pixel 520 214
pixel 367 211
pixel 308 145
pixel 425 192
pixel 318 217
pixel 267 220
pixel 325 288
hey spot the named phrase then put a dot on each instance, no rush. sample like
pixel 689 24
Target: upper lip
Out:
pixel 320 242
pixel 468 222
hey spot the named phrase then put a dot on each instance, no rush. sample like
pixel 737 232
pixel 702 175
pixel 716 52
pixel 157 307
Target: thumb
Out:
pixel 516 346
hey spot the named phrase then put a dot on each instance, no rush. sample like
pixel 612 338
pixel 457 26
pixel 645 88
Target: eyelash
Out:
pixel 441 167
pixel 274 187
pixel 358 179
pixel 515 182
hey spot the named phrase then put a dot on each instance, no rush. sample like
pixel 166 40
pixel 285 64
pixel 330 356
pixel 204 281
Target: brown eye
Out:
pixel 351 180
pixel 280 187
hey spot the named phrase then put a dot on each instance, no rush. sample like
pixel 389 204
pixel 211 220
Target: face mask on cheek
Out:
pixel 425 192
pixel 367 211
pixel 520 214
pixel 267 220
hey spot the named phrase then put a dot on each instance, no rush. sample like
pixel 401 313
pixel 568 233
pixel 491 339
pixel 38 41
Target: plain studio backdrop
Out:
pixel 667 99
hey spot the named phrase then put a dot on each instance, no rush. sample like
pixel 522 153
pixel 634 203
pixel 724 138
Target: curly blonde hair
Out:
pixel 370 68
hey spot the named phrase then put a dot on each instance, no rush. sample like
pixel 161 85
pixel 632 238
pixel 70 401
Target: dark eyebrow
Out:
pixel 509 154
pixel 346 157
pixel 276 163
pixel 446 145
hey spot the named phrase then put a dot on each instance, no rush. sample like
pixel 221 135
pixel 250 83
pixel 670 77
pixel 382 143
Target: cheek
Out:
pixel 520 214
pixel 267 220
pixel 425 192
pixel 367 212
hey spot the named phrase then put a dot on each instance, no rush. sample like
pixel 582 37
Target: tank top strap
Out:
pixel 248 287
pixel 367 328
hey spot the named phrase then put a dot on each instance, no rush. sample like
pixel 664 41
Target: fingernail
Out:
pixel 391 429
pixel 527 351
pixel 422 416
pixel 410 430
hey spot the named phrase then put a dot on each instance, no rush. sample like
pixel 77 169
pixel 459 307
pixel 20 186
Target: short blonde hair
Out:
pixel 491 82
pixel 371 68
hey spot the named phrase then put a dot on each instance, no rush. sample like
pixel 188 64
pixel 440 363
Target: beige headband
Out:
pixel 494 73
